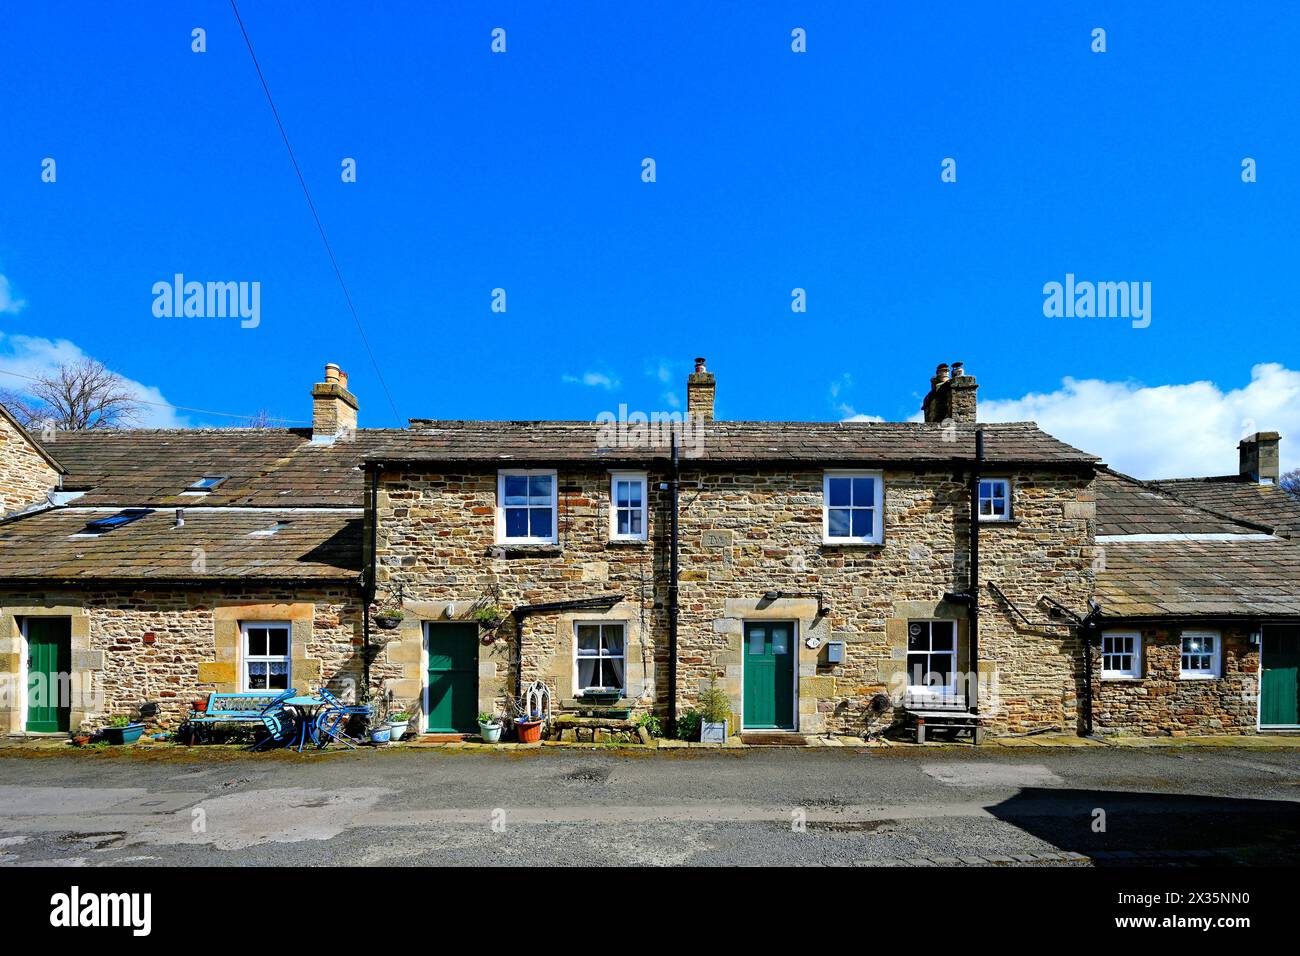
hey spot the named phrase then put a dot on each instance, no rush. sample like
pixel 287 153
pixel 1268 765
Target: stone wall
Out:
pixel 173 646
pixel 742 535
pixel 1160 703
pixel 25 476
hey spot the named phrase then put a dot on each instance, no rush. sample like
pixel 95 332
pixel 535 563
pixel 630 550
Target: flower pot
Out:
pixel 711 733
pixel 601 696
pixel 380 735
pixel 199 705
pixel 491 733
pixel 397 728
pixel 529 731
pixel 123 735
pixel 387 623
pixel 80 740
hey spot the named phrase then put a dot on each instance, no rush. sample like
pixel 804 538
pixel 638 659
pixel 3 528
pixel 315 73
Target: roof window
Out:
pixel 104 525
pixel 206 483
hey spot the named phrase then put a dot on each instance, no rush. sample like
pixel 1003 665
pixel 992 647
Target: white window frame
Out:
pixel 1133 674
pixel 501 505
pixel 1006 512
pixel 908 652
pixel 614 478
pixel 878 506
pixel 1216 656
pixel 246 658
pixel 621 625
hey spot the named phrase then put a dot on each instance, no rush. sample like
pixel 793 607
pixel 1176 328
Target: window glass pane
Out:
pixel 278 678
pixel 257 641
pixel 623 493
pixel 612 672
pixel 256 675
pixel 837 522
pixel 780 640
pixel 941 636
pixel 516 489
pixel 613 639
pixel 624 523
pixel 541 522
pixel 757 640
pixel 917 667
pixel 862 522
pixel 636 522
pixel 516 522
pixel 918 636
pixel 588 638
pixel 999 506
pixel 986 507
pixel 278 641
pixel 587 672
pixel 839 491
pixel 636 493
pixel 539 489
pixel 864 491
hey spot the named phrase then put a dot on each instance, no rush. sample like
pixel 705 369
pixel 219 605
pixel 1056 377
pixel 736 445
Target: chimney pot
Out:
pixel 699 365
pixel 958 369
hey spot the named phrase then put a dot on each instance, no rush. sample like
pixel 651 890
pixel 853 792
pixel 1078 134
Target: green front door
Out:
pixel 49 665
pixel 769 676
pixel 1279 680
pixel 453 678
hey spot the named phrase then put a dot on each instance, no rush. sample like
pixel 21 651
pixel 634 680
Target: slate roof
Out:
pixel 728 442
pixel 1224 567
pixel 264 467
pixel 1128 506
pixel 48 546
pixel 1200 579
pixel 1241 497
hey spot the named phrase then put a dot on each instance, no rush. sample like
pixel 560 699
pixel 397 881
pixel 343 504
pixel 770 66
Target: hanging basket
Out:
pixel 387 622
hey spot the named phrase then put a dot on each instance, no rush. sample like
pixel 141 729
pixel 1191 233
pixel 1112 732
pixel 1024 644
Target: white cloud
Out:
pixel 30 356
pixel 8 303
pixel 593 379
pixel 845 410
pixel 1164 431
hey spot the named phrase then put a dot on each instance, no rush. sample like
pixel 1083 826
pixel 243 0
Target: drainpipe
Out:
pixel 672 587
pixel 368 590
pixel 973 608
pixel 1087 630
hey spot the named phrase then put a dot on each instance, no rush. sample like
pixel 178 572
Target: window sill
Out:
pixel 525 550
pixel 1121 678
pixel 995 522
pixel 626 543
pixel 835 543
pixel 1200 677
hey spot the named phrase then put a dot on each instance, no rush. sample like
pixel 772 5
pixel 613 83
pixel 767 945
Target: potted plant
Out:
pixel 389 619
pixel 120 730
pixel 199 705
pixel 397 724
pixel 489 728
pixel 81 736
pixel 715 710
pixel 380 734
pixel 602 696
pixel 529 730
pixel 489 617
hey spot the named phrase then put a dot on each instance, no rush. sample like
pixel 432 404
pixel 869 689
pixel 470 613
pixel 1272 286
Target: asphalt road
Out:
pixel 1036 807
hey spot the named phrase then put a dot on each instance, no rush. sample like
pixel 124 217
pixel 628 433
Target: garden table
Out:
pixel 307 707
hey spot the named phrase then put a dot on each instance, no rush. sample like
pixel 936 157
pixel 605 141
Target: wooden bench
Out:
pixel 233 708
pixel 942 711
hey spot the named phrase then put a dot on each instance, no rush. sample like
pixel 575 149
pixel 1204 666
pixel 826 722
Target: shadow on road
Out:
pixel 1117 823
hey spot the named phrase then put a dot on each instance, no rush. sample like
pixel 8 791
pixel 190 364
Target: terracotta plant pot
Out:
pixel 529 731
pixel 81 740
pixel 199 705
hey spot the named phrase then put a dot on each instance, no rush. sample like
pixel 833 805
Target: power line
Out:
pixel 311 205
pixel 179 408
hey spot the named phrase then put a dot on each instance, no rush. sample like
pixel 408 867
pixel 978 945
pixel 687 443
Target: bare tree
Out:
pixel 1290 482
pixel 260 419
pixel 76 396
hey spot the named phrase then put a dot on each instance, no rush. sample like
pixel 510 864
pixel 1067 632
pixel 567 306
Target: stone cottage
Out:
pixel 817 573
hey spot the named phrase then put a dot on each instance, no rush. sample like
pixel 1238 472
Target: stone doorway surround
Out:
pixel 87 666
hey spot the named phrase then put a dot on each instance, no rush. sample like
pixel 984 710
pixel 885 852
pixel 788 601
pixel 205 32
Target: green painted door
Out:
pixel 769 676
pixel 1279 684
pixel 453 678
pixel 49 666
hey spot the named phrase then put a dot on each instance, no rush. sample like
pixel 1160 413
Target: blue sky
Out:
pixel 775 171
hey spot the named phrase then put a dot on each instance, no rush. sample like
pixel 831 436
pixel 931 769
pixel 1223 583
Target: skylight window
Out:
pixel 104 525
pixel 267 532
pixel 206 483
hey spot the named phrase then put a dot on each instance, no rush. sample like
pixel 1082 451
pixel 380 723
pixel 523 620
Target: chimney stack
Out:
pixel 699 392
pixel 951 397
pixel 334 408
pixel 1259 457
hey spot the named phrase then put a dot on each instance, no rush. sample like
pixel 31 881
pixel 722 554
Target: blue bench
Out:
pixel 261 707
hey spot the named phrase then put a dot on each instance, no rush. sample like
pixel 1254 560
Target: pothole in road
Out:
pixel 850 826
pixel 587 775
pixel 96 841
